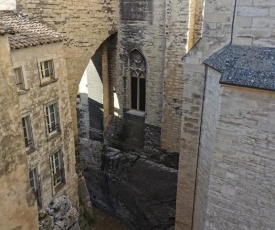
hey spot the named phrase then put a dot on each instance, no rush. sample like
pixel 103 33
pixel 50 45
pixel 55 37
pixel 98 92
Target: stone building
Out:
pixel 233 67
pixel 15 189
pixel 175 118
pixel 41 91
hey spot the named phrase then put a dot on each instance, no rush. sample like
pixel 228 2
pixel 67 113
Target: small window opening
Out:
pixel 19 80
pixel 46 68
pixel 51 116
pixel 58 173
pixel 35 185
pixel 26 123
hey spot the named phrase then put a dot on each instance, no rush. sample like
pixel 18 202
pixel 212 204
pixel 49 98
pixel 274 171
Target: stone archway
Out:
pixel 97 101
pixel 85 25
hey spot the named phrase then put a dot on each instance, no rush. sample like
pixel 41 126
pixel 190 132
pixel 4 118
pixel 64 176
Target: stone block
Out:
pixel 252 11
pixel 242 21
pixel 264 22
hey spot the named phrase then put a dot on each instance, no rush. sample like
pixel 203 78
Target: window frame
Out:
pixel 140 73
pixel 60 173
pixel 48 119
pixel 45 80
pixel 19 79
pixel 27 132
pixel 36 188
pixel 21 66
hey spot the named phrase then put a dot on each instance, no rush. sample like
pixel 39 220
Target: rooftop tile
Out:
pixel 245 66
pixel 24 32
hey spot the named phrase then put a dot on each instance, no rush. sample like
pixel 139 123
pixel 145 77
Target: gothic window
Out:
pixel 138 80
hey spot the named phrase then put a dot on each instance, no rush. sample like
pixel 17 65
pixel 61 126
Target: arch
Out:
pixel 137 80
pixel 95 105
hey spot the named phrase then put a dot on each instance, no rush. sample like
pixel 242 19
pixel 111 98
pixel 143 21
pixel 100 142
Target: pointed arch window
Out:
pixel 138 80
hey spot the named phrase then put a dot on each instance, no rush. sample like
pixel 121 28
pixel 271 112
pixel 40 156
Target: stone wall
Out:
pixel 32 102
pixel 160 34
pixel 17 198
pixel 217 25
pixel 196 10
pixel 112 56
pixel 176 28
pixel 136 190
pixel 82 105
pixel 60 214
pixel 144 32
pixel 252 24
pixel 207 144
pixel 95 94
pixel 255 23
pixel 242 174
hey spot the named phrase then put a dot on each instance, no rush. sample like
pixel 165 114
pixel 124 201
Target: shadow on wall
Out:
pixel 96 120
pixel 90 100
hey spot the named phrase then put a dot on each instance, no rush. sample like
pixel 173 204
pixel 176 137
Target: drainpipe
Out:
pixel 233 21
pixel 199 145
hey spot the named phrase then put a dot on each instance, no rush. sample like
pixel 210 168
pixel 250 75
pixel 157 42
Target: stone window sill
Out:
pixel 22 91
pixel 136 112
pixel 48 82
pixel 59 187
pixel 53 135
pixel 30 150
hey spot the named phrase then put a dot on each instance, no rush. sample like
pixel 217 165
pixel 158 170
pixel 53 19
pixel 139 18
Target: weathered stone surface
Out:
pixel 59 215
pixel 207 145
pixel 217 29
pixel 86 213
pixel 131 134
pixel 236 173
pixel 258 30
pixel 138 191
pixel 32 102
pixel 18 207
pixel 86 25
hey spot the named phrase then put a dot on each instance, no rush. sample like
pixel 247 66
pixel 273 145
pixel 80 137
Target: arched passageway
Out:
pixel 114 154
pixel 97 99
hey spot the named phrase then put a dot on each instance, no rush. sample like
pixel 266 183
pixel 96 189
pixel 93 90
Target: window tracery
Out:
pixel 138 80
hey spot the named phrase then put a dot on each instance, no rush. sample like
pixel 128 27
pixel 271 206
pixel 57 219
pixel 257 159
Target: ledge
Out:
pixel 59 187
pixel 30 151
pixel 136 112
pixel 53 135
pixel 48 82
pixel 23 91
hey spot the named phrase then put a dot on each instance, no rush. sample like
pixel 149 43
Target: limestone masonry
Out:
pixel 159 112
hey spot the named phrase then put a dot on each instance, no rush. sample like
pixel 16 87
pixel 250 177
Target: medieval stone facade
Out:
pixel 18 206
pixel 40 87
pixel 175 119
